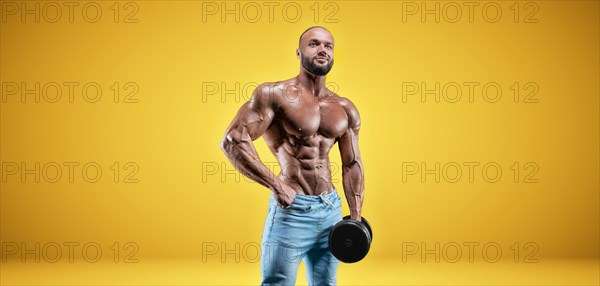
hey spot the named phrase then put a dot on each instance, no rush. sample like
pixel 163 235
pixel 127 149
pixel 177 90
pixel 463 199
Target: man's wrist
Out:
pixel 355 214
pixel 276 187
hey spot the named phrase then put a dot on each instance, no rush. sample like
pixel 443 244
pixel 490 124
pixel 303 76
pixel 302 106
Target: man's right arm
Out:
pixel 251 121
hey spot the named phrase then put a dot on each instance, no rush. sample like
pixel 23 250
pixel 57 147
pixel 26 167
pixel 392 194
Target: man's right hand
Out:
pixel 285 196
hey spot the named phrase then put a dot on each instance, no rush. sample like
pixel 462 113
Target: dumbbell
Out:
pixel 350 240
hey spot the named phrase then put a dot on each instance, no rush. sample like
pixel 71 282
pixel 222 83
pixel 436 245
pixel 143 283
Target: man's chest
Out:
pixel 308 117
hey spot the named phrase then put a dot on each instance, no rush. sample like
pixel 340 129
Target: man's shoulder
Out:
pixel 345 102
pixel 351 110
pixel 268 89
pixel 274 86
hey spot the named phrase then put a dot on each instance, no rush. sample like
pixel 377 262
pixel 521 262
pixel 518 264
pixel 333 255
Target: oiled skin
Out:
pixel 300 120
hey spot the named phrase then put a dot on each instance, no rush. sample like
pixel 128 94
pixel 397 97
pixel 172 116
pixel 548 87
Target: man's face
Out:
pixel 316 51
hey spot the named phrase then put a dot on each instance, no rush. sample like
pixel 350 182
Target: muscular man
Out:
pixel 300 120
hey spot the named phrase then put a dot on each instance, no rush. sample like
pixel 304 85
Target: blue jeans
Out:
pixel 300 232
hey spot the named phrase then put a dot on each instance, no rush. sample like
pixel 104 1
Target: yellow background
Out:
pixel 187 194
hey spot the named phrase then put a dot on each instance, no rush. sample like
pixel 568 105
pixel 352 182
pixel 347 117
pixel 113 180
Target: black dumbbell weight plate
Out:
pixel 349 241
pixel 365 223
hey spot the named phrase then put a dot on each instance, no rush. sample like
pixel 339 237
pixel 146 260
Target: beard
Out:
pixel 315 69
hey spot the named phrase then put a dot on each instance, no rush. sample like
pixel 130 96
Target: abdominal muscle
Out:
pixel 307 176
pixel 303 157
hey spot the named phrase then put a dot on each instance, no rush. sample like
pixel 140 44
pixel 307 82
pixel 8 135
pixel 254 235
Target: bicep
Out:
pixel 348 145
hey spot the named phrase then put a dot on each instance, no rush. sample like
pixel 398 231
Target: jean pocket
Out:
pixel 297 206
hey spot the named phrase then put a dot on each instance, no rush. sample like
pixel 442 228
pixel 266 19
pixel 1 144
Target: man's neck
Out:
pixel 312 83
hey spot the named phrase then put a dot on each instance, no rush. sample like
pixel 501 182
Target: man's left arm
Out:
pixel 352 167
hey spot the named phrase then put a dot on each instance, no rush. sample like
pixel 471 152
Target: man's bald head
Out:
pixel 313 27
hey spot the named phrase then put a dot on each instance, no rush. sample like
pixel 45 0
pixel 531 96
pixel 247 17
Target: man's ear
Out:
pixel 298 53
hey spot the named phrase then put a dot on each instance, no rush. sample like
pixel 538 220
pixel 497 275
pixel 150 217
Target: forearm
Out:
pixel 353 181
pixel 245 159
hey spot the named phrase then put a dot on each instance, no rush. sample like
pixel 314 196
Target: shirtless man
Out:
pixel 300 120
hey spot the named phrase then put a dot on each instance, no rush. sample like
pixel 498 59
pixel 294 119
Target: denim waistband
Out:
pixel 317 198
pixel 307 200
